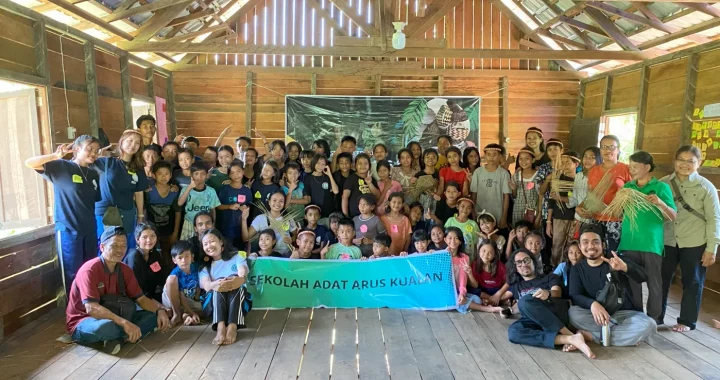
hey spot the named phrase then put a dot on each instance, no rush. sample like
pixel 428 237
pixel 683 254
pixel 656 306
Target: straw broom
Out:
pixel 629 203
pixel 423 184
pixel 288 216
pixel 558 185
pixel 594 200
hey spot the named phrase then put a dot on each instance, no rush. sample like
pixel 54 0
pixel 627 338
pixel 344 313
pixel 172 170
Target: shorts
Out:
pixel 195 306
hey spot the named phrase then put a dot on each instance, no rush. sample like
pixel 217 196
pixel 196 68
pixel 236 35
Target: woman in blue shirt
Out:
pixel 122 183
pixel 75 189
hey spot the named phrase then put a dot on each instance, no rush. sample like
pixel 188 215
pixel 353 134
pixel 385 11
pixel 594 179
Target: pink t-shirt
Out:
pixel 459 262
pixel 394 188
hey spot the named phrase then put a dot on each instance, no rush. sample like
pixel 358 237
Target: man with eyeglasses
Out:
pixel 543 314
pixel 692 239
pixel 625 326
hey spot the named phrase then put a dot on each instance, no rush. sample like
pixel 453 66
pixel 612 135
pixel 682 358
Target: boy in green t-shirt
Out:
pixel 344 249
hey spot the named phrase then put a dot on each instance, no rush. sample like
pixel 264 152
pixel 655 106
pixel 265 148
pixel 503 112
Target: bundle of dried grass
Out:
pixel 282 224
pixel 423 184
pixel 594 200
pixel 558 185
pixel 629 203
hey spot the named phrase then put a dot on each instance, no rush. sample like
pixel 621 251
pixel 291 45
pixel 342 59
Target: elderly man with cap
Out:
pixel 104 296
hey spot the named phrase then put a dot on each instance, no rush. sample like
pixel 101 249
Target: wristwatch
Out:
pixel 157 312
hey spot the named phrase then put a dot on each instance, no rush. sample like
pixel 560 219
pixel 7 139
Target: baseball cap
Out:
pixel 111 231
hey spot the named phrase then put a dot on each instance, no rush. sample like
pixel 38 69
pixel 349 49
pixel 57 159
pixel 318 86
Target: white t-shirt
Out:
pixel 261 222
pixel 223 269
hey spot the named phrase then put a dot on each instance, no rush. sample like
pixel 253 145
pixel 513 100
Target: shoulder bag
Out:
pixel 530 213
pixel 112 216
pixel 119 304
pixel 679 199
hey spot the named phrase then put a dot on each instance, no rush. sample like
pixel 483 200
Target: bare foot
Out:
pixel 587 335
pixel 578 341
pixel 569 348
pixel 174 320
pixel 188 319
pixel 680 328
pixel 231 334
pixel 220 336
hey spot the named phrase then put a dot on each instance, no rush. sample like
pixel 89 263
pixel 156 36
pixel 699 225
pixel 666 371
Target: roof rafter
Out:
pixel 436 11
pixel 332 22
pixel 589 44
pixel 704 8
pixel 158 21
pixel 358 20
pixel 90 17
pixel 151 7
pixel 607 8
pixel 182 20
pixel 610 28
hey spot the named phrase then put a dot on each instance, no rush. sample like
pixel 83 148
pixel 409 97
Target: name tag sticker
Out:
pixel 77 179
pixel 394 228
pixel 155 267
pixel 241 199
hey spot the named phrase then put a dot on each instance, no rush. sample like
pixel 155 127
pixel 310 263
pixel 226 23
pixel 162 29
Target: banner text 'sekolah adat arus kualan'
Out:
pixel 393 121
pixel 420 281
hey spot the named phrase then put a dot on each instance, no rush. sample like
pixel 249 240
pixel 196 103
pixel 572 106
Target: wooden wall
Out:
pixel 30 276
pixel 672 92
pixel 206 102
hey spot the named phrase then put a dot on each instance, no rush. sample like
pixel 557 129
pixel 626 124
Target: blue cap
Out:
pixel 111 231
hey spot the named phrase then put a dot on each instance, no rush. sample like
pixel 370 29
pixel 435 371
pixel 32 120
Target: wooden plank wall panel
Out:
pixel 664 111
pixel 16 44
pixel 107 72
pixel 207 102
pixel 625 91
pixel 28 294
pixel 471 24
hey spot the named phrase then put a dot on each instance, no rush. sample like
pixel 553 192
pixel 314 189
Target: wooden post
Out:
pixel 149 77
pixel 313 84
pixel 42 70
pixel 248 104
pixel 689 103
pixel 581 102
pixel 607 96
pixel 378 84
pixel 441 85
pixel 92 91
pixel 504 126
pixel 171 107
pixel 641 107
pixel 126 92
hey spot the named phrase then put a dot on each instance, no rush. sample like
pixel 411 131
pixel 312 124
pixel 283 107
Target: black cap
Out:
pixel 111 231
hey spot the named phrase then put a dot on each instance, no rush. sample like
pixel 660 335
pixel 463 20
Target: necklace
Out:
pixel 84 174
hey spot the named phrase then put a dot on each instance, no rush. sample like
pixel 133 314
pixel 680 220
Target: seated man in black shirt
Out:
pixel 539 324
pixel 629 325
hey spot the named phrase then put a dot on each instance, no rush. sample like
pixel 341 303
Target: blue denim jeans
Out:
pixel 129 220
pixel 91 330
pixel 76 250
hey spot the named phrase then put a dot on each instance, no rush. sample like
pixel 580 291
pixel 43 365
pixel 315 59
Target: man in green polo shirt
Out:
pixel 642 240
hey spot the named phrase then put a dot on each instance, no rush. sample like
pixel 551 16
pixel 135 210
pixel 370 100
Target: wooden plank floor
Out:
pixel 363 344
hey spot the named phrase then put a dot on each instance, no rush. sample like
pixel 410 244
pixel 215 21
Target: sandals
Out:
pixel 506 312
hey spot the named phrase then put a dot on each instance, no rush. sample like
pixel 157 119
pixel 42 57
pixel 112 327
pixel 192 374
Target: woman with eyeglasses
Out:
pixel 692 239
pixel 619 174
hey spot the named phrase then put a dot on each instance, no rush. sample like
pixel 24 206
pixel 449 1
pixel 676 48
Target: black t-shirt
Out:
pixel 585 281
pixel 523 287
pixel 320 190
pixel 544 159
pixel 150 274
pixel 443 211
pixel 357 187
pixel 340 181
pixel 564 213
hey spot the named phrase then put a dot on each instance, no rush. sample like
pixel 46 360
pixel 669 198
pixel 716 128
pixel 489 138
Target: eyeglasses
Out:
pixel 526 261
pixel 608 147
pixel 687 162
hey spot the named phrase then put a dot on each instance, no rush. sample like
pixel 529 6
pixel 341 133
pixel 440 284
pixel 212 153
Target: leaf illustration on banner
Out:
pixel 412 118
pixel 472 113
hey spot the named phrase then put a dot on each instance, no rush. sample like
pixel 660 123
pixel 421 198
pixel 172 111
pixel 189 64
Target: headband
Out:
pixel 492 148
pixel 483 212
pixel 528 151
pixel 572 158
pixel 308 207
pixel 305 232
pixel 534 130
pixel 555 142
pixel 466 200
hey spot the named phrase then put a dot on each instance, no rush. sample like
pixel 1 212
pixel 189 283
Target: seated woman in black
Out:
pixel 146 262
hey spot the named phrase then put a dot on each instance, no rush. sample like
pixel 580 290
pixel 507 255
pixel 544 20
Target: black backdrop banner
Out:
pixel 393 121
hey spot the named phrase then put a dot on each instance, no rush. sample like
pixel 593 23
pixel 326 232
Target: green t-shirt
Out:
pixel 216 178
pixel 470 231
pixel 338 251
pixel 648 234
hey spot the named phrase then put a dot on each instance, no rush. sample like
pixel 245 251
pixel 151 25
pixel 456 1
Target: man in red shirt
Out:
pixel 94 292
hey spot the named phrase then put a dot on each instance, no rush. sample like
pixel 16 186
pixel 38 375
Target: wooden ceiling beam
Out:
pixel 610 28
pixel 376 41
pixel 47 6
pixel 151 7
pixel 159 20
pixel 667 28
pixel 370 70
pixel 192 35
pixel 435 12
pixel 589 44
pixel 125 5
pixel 360 21
pixel 583 26
pixel 178 28
pixel 90 17
pixel 182 20
pixel 607 8
pixel 217 18
pixel 374 51
pixel 704 8
pixel 683 33
pixel 331 21
pixel 570 12
pixel 562 39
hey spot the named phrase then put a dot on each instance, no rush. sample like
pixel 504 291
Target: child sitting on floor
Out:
pixel 419 243
pixel 367 225
pixel 517 238
pixel 266 245
pixel 488 276
pixel 571 257
pixel 182 288
pixel 344 249
pixel 488 230
pixel 381 246
pixel 322 234
pixel 305 243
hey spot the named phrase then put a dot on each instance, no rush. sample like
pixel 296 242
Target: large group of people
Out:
pixel 175 229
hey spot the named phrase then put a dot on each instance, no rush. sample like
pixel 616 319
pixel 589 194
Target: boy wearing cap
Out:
pixel 103 288
pixel 489 185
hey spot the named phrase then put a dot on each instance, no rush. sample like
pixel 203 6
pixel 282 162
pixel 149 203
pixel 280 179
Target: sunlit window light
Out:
pixel 216 59
pixel 255 33
pixel 369 12
pixel 274 29
pixel 341 19
pixel 332 36
pixel 284 17
pixel 322 31
pixel 302 40
pixel 302 60
pixel 265 19
pixel 312 27
pixel 359 11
